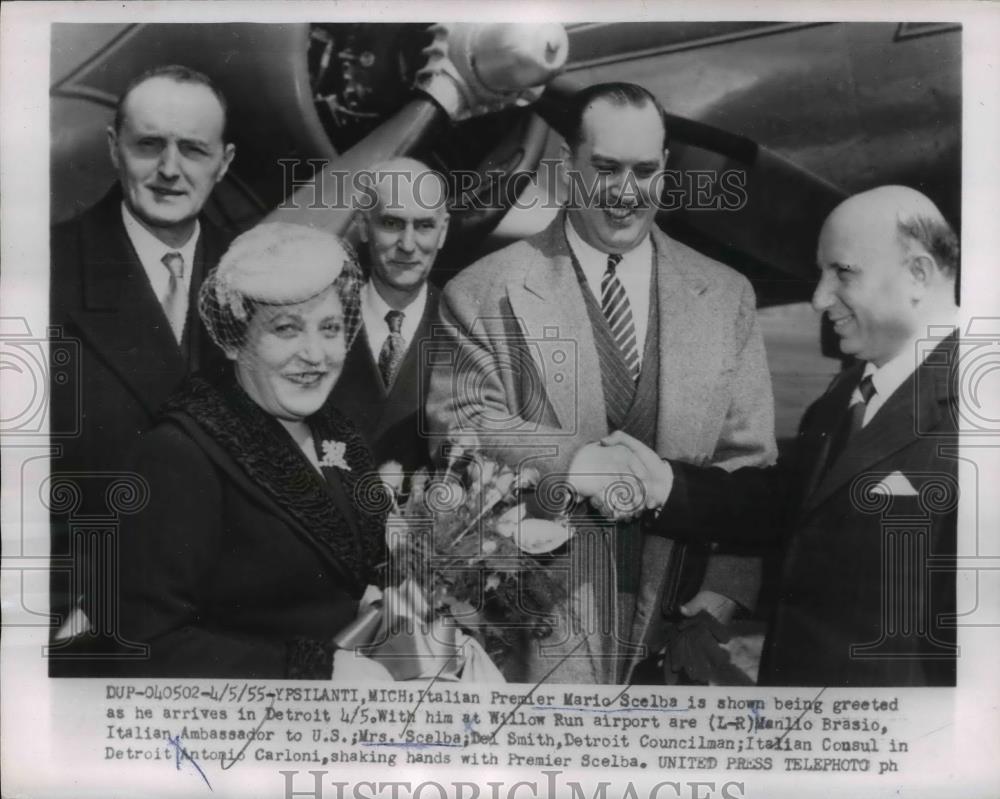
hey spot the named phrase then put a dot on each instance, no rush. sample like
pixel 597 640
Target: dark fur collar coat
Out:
pixel 245 561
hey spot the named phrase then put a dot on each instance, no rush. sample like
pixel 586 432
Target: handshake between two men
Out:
pixel 624 479
pixel 620 476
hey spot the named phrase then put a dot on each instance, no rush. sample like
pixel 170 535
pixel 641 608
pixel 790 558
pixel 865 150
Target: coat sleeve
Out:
pixel 486 388
pixel 744 507
pixel 167 552
pixel 746 439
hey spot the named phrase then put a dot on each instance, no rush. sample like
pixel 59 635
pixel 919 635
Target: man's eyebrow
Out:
pixel 649 163
pixel 416 219
pixel 185 141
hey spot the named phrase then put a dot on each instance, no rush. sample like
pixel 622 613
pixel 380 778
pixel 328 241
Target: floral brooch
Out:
pixel 333 455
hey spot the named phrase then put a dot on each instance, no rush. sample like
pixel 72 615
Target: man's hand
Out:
pixel 694 644
pixel 694 652
pixel 659 477
pixel 720 607
pixel 611 476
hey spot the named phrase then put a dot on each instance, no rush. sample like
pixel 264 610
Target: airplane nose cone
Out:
pixel 476 68
pixel 511 57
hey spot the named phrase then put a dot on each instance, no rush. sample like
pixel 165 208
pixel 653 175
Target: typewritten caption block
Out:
pixel 215 727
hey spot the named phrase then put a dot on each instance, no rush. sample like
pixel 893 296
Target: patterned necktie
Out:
pixel 175 300
pixel 851 422
pixel 393 349
pixel 618 312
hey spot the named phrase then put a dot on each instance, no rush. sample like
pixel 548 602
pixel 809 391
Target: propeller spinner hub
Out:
pixel 473 69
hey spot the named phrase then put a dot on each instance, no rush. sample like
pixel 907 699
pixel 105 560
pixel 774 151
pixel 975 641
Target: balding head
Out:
pixel 911 215
pixel 888 262
pixel 403 228
pixel 393 181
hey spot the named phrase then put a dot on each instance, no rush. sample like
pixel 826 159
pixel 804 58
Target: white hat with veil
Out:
pixel 276 264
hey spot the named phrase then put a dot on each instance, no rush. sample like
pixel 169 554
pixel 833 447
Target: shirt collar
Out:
pixel 150 249
pixel 594 263
pixel 374 307
pixel 894 372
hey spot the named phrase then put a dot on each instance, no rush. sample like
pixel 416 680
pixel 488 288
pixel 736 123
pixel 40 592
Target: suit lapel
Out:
pixel 550 307
pixel 678 425
pixel 918 404
pixel 678 419
pixel 816 439
pixel 252 489
pixel 341 500
pixel 261 458
pixel 201 351
pixel 359 392
pixel 121 316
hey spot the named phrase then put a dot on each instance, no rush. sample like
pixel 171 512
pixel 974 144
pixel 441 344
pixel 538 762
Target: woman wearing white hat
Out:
pixel 255 546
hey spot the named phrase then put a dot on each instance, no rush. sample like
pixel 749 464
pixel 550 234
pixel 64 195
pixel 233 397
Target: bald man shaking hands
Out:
pixel 867 501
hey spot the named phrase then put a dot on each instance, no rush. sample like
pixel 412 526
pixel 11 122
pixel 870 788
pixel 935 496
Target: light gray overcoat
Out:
pixel 517 364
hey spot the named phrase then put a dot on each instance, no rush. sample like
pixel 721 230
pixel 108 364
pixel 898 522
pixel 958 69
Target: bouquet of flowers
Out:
pixel 463 538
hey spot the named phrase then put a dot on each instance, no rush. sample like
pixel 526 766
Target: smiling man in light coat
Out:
pixel 599 323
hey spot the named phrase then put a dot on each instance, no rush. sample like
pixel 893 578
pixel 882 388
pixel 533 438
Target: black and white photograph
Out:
pixel 592 397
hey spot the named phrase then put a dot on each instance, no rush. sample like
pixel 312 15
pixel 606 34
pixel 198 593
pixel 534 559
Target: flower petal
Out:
pixel 537 536
pixel 391 473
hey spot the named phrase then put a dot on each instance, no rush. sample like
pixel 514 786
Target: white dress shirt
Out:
pixel 151 251
pixel 634 273
pixel 374 309
pixel 892 374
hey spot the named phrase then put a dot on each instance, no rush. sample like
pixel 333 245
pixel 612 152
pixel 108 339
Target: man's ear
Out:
pixel 566 154
pixel 113 145
pixel 923 271
pixel 565 166
pixel 444 230
pixel 228 154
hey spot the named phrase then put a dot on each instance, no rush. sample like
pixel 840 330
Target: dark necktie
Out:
pixel 393 349
pixel 175 300
pixel 618 312
pixel 851 422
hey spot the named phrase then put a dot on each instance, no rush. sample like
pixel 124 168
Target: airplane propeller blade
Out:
pixel 471 69
pixel 325 200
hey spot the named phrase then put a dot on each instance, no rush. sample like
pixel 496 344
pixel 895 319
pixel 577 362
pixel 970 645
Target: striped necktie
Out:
pixel 175 300
pixel 618 312
pixel 393 349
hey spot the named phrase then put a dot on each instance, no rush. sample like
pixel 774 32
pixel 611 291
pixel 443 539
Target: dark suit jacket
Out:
pixel 125 361
pixel 129 360
pixel 392 421
pixel 867 593
pixel 244 562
